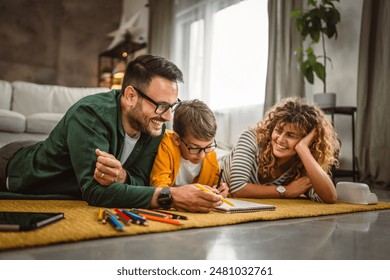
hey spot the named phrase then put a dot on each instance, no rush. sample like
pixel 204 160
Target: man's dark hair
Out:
pixel 144 68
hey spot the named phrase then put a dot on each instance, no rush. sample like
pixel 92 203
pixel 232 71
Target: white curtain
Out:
pixel 200 39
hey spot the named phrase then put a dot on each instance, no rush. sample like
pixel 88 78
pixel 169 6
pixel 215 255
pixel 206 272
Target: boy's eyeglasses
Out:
pixel 195 151
pixel 161 107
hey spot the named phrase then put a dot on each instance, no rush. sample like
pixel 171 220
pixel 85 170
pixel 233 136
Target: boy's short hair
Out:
pixel 194 117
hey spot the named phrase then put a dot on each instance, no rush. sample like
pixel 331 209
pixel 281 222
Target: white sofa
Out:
pixel 29 111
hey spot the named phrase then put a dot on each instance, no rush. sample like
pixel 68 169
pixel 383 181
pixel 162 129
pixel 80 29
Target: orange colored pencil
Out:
pixel 159 219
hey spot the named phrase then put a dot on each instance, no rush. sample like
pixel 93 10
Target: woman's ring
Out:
pixel 102 175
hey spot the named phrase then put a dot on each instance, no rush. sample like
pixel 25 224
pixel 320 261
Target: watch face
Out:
pixel 165 198
pixel 281 190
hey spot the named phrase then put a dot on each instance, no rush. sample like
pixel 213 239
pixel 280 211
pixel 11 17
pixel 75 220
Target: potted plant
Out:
pixel 319 21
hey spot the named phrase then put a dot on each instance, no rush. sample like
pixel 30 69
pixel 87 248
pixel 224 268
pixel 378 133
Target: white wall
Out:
pixel 342 79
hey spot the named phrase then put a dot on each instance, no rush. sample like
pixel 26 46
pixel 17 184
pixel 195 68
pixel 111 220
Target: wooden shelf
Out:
pixel 110 58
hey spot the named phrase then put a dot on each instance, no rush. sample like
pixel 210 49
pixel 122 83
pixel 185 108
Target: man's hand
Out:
pixel 190 198
pixel 108 169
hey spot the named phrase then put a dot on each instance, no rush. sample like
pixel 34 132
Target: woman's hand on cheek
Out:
pixel 307 140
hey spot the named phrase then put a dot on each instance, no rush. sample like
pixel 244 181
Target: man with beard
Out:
pixel 103 149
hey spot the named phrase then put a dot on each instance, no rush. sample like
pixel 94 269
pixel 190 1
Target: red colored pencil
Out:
pixel 124 218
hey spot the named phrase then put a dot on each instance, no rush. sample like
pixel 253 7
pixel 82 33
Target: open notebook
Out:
pixel 241 206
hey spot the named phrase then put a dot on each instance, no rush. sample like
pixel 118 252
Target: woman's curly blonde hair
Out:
pixel 325 147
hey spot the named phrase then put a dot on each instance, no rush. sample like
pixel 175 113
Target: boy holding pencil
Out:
pixel 187 154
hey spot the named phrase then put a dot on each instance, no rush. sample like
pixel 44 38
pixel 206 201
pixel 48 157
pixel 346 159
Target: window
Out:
pixel 222 48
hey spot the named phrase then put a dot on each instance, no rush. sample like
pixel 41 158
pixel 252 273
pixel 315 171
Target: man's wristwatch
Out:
pixel 281 190
pixel 165 198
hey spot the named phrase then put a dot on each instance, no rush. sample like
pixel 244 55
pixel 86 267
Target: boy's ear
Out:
pixel 176 138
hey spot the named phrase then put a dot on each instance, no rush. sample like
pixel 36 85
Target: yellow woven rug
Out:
pixel 81 223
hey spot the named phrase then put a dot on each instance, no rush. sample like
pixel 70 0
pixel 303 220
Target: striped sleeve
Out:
pixel 240 166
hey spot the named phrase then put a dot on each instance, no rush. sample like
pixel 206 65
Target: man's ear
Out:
pixel 176 138
pixel 130 96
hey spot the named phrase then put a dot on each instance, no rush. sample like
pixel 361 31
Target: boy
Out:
pixel 187 154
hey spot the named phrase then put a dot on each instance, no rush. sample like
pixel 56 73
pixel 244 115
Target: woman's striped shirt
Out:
pixel 241 166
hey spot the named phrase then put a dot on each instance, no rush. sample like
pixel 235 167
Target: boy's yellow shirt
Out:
pixel 167 163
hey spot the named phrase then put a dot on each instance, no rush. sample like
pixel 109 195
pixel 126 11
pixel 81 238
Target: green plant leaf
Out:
pixel 319 69
pixel 331 31
pixel 319 21
pixel 295 13
pixel 311 57
pixel 309 74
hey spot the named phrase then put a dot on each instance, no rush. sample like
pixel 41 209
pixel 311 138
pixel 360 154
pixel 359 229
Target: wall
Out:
pixel 342 77
pixel 57 41
pixel 344 51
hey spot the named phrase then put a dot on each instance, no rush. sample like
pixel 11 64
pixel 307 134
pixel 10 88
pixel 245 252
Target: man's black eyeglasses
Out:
pixel 195 151
pixel 161 107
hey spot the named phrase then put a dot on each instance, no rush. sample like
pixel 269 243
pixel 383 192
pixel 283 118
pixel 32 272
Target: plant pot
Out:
pixel 325 100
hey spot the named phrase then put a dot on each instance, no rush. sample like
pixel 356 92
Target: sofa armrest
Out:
pixel 12 121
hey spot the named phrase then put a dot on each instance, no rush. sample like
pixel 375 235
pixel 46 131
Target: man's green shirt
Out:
pixel 65 162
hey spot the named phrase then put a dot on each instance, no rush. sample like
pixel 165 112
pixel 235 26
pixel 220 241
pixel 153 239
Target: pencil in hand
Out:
pixel 209 191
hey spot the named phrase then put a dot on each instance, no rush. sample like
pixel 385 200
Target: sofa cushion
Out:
pixel 31 98
pixel 42 122
pixel 5 95
pixel 12 121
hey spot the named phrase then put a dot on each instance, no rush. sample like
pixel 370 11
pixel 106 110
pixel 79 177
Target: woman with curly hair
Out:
pixel 288 154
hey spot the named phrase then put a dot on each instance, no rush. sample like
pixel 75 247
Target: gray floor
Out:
pixel 357 236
